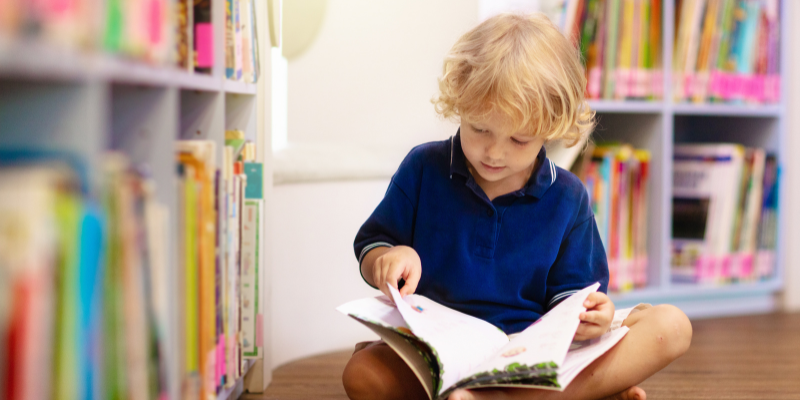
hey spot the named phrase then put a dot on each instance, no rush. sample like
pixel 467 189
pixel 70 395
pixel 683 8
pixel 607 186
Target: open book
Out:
pixel 448 350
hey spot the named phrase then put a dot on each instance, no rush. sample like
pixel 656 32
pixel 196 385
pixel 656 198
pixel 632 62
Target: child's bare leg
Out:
pixel 657 336
pixel 377 372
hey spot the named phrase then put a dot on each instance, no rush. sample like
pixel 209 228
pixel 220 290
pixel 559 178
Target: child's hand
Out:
pixel 398 262
pixel 597 318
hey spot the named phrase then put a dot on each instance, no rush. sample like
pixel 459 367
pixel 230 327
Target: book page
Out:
pixel 543 345
pixel 460 342
pixel 580 356
pixel 378 310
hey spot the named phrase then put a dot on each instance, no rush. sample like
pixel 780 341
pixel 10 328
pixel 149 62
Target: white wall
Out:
pixel 372 71
pixel 315 269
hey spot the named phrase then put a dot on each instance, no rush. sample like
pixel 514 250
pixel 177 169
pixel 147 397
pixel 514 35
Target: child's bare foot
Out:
pixel 461 394
pixel 631 393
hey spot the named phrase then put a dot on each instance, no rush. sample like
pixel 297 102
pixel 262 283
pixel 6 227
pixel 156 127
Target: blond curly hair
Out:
pixel 523 67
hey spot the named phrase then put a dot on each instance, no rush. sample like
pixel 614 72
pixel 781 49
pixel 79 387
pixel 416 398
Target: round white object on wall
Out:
pixel 302 21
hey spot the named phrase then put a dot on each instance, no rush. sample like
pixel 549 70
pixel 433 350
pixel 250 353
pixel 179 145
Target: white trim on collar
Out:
pixel 452 139
pixel 553 171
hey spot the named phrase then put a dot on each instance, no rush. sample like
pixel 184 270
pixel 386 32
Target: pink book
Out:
pixel 204 44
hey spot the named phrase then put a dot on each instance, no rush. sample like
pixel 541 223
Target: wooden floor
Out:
pixel 756 357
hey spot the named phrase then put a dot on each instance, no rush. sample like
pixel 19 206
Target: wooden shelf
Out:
pixel 239 87
pixel 627 107
pixel 35 61
pixel 233 392
pixel 700 301
pixel 727 110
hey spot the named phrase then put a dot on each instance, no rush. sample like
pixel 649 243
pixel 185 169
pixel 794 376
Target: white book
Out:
pixel 449 350
pixel 252 259
pixel 710 173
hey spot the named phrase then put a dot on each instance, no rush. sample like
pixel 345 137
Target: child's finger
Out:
pixel 587 331
pixel 591 317
pixel 412 280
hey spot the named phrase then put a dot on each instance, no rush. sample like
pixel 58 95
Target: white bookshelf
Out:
pixel 657 126
pixel 88 103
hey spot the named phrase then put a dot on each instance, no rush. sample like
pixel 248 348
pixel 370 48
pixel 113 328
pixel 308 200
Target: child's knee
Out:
pixel 358 376
pixel 674 330
pixel 368 374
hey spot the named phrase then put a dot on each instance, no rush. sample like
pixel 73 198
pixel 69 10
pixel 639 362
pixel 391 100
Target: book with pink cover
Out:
pixel 449 350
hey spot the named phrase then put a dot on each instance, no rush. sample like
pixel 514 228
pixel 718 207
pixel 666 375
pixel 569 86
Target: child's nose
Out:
pixel 494 151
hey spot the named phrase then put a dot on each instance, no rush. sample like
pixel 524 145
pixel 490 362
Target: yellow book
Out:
pixel 206 245
pixel 701 78
pixel 624 65
pixel 191 269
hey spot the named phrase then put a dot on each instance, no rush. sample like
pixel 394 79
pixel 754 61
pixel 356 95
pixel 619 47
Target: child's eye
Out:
pixel 518 143
pixel 479 130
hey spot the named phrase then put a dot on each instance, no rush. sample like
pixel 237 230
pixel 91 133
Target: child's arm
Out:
pixel 389 264
pixel 597 318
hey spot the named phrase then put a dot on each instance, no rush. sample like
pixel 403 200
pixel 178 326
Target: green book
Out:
pixel 68 215
pixel 255 180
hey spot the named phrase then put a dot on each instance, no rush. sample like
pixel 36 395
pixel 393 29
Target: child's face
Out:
pixel 498 155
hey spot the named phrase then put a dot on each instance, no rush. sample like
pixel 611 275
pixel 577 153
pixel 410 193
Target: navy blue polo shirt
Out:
pixel 506 261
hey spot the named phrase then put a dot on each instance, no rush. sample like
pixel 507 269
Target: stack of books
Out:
pixel 727 51
pixel 242 61
pixel 616 177
pixel 620 44
pixel 84 283
pixel 724 214
pixel 220 228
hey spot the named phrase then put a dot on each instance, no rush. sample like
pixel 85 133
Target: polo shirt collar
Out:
pixel 541 179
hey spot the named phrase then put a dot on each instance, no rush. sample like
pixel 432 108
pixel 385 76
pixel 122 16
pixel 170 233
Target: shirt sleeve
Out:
pixel 392 222
pixel 581 261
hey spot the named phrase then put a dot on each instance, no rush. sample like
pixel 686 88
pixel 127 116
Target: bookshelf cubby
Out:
pixel 87 103
pixel 659 125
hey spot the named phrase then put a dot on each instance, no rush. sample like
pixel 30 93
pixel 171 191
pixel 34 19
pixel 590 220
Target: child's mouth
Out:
pixel 490 168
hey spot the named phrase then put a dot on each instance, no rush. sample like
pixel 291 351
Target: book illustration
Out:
pixel 448 350
pixel 514 352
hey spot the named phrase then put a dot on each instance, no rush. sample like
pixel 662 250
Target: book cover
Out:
pixel 251 264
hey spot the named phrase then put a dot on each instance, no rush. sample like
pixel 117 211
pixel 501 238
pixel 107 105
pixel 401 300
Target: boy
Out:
pixel 484 223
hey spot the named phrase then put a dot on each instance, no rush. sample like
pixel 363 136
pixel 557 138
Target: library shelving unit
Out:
pixel 87 103
pixel 659 125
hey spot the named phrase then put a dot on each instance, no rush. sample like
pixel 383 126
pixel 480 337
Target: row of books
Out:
pixel 242 60
pixel 616 178
pixel 85 287
pixel 620 44
pixel 140 29
pixel 161 32
pixel 727 51
pixel 83 293
pixel 220 225
pixel 724 213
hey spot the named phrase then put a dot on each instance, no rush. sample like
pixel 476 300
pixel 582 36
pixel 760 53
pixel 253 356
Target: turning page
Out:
pixel 460 342
pixel 380 315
